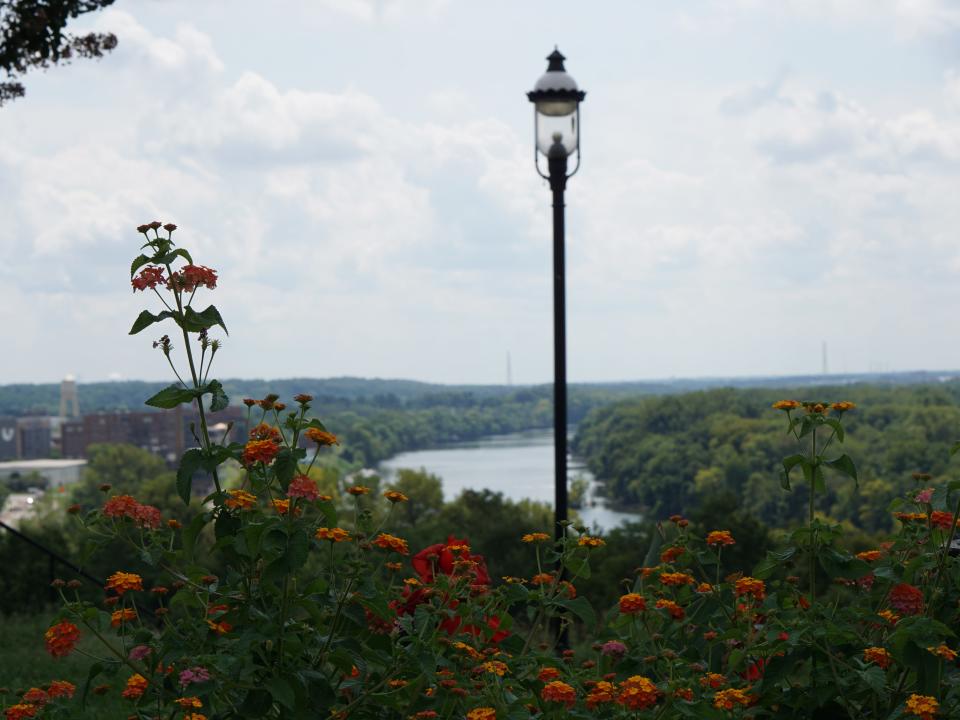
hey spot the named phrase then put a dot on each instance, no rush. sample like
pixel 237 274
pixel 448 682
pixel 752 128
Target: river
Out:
pixel 519 465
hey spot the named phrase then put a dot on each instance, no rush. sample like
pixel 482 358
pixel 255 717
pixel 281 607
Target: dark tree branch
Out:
pixel 33 35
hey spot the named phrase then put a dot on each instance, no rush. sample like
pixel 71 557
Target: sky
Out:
pixel 758 178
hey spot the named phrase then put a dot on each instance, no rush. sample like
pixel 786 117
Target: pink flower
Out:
pixel 614 648
pixel 303 487
pixel 194 675
pixel 923 497
pixel 140 652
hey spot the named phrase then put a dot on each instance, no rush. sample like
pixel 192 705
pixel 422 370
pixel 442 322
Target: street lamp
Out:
pixel 556 100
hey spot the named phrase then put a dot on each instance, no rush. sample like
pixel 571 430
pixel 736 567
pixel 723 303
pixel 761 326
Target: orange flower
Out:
pixel 684 694
pixel 674 579
pixel 712 680
pixel 542 579
pixel 877 656
pixel 393 566
pixel 704 587
pixel 729 698
pixel 283 507
pixel 35 696
pixel 121 582
pixel 632 603
pixel 472 652
pixel 637 693
pixel 395 496
pixel 923 706
pixel 120 506
pixel 890 616
pixel 786 405
pixel 61 638
pixel 843 406
pixel 942 520
pixel 869 555
pixel 259 451
pixel 751 586
pixel 334 535
pixel 220 628
pixel 548 674
pixel 189 702
pixel 910 517
pixel 136 686
pixel 386 541
pixel 321 437
pixel 535 537
pixel 672 553
pixel 944 652
pixel 358 490
pixel 589 541
pixel 194 716
pixel 119 617
pixel 601 693
pixel 240 499
pixel 265 432
pixel 676 612
pixel 61 688
pixel 21 711
pixel 559 692
pixel 482 713
pixel 720 537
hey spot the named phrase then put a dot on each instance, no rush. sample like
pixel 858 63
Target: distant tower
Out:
pixel 509 370
pixel 69 407
pixel 825 367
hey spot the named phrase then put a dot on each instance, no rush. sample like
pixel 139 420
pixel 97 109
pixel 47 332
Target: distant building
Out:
pixel 55 472
pixel 167 433
pixel 69 405
pixel 8 438
pixel 35 436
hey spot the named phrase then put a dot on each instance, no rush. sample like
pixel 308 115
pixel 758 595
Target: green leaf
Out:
pixel 194 321
pixel 955 448
pixel 285 464
pixel 191 461
pixel 138 262
pixel 789 463
pixel 281 691
pixel 819 482
pixel 581 608
pixel 94 670
pixel 837 427
pixel 845 465
pixel 173 255
pixel 172 396
pixel 874 678
pixel 773 561
pixel 218 399
pixel 578 564
pixel 147 318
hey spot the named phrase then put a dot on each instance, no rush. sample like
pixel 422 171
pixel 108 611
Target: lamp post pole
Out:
pixel 557 166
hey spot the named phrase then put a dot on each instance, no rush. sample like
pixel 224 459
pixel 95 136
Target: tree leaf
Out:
pixel 218 398
pixel 845 465
pixel 194 321
pixel 171 396
pixel 581 608
pixel 191 461
pixel 138 262
pixel 173 255
pixel 789 463
pixel 146 319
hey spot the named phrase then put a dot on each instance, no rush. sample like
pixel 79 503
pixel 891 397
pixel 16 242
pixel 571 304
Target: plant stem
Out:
pixel 813 548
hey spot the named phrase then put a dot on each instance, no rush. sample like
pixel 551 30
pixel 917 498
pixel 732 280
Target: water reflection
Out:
pixel 519 465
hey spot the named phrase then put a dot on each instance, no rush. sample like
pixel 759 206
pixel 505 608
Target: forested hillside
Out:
pixel 676 453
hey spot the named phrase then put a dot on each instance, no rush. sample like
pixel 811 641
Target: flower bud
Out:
pixel 57 583
pixel 170 227
pixel 73 509
pixel 74 584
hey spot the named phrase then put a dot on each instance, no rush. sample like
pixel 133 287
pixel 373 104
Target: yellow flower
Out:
pixel 189 702
pixel 358 490
pixel 240 499
pixel 395 496
pixel 496 667
pixel 386 541
pixel 535 537
pixel 727 699
pixel 843 406
pixel 923 706
pixel 878 656
pixel 482 713
pixel 720 537
pixel 786 405
pixel 944 652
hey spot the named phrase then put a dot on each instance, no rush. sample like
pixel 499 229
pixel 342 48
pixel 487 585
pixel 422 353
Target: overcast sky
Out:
pixel 758 178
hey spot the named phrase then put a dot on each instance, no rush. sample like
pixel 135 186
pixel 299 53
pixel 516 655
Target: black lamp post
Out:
pixel 556 100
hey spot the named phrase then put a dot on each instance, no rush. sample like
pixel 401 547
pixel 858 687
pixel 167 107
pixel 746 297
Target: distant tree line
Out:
pixel 682 452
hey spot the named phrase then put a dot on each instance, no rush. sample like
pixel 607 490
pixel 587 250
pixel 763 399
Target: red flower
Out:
pixel 442 557
pixel 149 277
pixel 906 599
pixel 190 277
